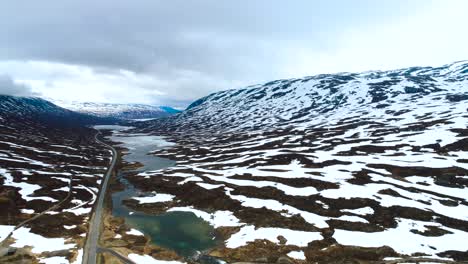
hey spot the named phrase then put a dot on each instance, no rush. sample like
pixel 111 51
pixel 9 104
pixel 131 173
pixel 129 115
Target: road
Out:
pixel 91 246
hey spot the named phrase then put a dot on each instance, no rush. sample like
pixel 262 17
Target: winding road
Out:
pixel 91 246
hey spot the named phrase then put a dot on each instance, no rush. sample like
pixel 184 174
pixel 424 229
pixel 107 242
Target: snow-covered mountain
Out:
pixel 50 171
pixel 16 108
pixel 338 168
pixel 312 101
pixel 123 111
pixel 27 106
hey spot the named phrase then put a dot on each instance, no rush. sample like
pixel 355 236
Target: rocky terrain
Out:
pixel 121 111
pixel 340 168
pixel 50 173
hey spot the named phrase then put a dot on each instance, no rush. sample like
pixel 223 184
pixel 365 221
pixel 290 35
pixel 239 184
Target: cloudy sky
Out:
pixel 173 52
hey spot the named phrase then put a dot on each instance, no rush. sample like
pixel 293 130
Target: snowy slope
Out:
pixel 313 100
pixel 124 111
pixel 25 106
pixel 16 108
pixel 48 160
pixel 370 167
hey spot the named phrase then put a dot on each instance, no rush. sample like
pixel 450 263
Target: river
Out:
pixel 183 232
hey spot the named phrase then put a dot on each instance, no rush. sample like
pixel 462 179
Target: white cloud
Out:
pixel 429 36
pixel 10 87
pixel 160 53
pixel 83 83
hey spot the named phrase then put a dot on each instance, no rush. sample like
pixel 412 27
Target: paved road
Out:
pixel 90 248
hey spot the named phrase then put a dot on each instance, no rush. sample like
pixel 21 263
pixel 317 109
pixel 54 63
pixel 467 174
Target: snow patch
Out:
pixel 250 234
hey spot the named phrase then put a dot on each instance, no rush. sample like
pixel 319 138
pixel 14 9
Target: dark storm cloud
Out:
pixel 9 87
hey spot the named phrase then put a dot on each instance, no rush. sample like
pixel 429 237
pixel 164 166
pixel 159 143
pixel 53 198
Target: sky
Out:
pixel 174 52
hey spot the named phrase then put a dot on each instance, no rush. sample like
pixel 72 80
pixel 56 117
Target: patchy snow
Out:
pixel 402 240
pixel 318 220
pixel 351 219
pixel 64 189
pixel 250 234
pixel 189 179
pixel 25 189
pixel 79 257
pixel 54 260
pixel 216 219
pixel 209 186
pixel 5 230
pixel 312 147
pixel 297 255
pixel 158 198
pixel 79 211
pixel 145 259
pixel 28 161
pixel 413 199
pixel 27 211
pixel 360 211
pixel 135 232
pixel 24 237
pixel 298 191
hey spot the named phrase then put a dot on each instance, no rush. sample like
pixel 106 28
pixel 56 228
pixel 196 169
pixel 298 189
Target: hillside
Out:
pixel 50 168
pixel 15 109
pixel 337 168
pixel 315 100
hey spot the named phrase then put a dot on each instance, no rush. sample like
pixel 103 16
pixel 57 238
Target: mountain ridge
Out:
pixel 121 111
pixel 16 108
pixel 373 165
pixel 286 101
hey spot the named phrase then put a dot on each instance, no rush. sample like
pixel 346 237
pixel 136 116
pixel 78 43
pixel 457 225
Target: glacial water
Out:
pixel 182 232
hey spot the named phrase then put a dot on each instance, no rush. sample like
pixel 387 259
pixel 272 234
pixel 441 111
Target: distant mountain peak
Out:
pixel 123 111
pixel 18 109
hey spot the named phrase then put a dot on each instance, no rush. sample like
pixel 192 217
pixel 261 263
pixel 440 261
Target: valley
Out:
pixel 324 169
pixel 338 168
pixel 50 177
